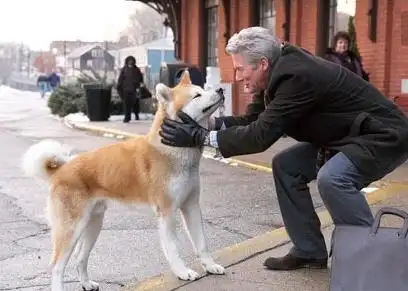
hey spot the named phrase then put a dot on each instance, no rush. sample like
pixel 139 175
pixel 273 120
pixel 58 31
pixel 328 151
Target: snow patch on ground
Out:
pixel 213 156
pixel 79 117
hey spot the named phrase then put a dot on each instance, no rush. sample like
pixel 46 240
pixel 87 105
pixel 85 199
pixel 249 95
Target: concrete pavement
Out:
pixel 244 260
pixel 128 249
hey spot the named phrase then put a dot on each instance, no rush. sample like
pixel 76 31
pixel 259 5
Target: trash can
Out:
pixel 98 99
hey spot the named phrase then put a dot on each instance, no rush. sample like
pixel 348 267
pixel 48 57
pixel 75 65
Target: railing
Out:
pixel 22 82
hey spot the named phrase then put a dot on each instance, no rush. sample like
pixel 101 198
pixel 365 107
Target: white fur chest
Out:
pixel 184 178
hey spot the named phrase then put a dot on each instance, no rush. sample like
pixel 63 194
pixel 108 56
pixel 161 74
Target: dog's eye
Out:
pixel 197 95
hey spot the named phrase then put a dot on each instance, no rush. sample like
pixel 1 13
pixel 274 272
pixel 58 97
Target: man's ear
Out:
pixel 264 64
pixel 163 94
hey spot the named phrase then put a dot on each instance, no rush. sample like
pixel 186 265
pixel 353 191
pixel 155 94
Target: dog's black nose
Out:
pixel 220 91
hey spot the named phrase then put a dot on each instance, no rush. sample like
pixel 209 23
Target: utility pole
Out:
pixel 20 57
pixel 65 57
pixel 105 67
pixel 28 61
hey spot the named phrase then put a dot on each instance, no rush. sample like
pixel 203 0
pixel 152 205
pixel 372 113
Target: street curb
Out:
pixel 101 130
pixel 247 249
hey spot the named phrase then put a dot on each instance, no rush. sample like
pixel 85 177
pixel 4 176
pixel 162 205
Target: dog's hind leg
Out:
pixel 65 232
pixel 169 243
pixel 87 242
pixel 194 223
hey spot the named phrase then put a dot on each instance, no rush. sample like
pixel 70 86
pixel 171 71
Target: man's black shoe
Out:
pixel 290 262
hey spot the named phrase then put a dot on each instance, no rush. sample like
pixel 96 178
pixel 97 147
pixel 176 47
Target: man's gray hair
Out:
pixel 254 43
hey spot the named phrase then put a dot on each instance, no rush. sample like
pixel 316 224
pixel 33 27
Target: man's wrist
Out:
pixel 212 136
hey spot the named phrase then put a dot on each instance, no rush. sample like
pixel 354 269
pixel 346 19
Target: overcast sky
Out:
pixel 38 22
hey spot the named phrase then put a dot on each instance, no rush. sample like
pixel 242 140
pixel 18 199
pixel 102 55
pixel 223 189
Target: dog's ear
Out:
pixel 163 93
pixel 185 78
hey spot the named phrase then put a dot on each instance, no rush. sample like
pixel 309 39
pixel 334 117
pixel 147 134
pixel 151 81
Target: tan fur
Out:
pixel 137 171
pixel 133 171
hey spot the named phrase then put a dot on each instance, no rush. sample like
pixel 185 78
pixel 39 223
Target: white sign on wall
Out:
pixel 404 86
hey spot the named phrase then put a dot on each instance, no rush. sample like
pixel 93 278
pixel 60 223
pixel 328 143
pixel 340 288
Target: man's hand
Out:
pixel 187 133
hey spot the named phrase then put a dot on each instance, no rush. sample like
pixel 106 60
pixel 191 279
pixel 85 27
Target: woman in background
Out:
pixel 341 54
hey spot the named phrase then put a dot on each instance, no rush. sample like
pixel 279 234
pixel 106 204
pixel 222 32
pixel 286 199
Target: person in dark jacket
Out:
pixel 320 104
pixel 129 81
pixel 42 84
pixel 54 81
pixel 341 54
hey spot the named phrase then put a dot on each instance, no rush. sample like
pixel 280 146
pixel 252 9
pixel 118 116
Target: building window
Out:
pixel 267 15
pixel 99 64
pixel 97 53
pixel 212 32
pixel 332 21
pixel 77 64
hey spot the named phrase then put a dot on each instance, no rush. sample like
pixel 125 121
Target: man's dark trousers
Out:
pixel 339 183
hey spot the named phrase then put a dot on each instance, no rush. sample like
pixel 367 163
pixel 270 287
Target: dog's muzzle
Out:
pixel 220 93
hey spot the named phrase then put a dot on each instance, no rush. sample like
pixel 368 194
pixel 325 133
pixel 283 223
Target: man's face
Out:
pixel 255 78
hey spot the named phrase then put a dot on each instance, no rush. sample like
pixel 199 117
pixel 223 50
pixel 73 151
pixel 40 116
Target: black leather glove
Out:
pixel 187 133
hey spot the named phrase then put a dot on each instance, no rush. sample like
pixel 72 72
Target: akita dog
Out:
pixel 141 170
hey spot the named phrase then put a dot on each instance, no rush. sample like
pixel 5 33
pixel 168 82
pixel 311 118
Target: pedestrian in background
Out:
pixel 129 82
pixel 54 81
pixel 42 84
pixel 341 54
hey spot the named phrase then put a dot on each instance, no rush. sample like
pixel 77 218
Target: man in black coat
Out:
pixel 349 136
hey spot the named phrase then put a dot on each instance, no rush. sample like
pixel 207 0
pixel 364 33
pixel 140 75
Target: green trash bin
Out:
pixel 98 99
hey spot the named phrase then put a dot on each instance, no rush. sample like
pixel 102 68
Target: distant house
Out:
pixel 149 54
pixel 44 62
pixel 149 57
pixel 65 47
pixel 91 56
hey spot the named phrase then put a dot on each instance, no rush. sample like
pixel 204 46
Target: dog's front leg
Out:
pixel 168 239
pixel 194 222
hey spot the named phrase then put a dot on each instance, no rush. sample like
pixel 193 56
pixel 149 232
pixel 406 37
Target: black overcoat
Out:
pixel 316 101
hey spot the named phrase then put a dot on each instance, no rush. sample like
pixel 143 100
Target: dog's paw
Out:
pixel 90 286
pixel 188 275
pixel 215 269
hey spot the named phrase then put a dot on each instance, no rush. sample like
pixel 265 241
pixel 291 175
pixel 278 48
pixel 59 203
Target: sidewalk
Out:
pixel 244 261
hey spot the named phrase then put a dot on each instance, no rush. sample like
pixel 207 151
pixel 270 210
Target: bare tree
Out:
pixel 10 59
pixel 145 25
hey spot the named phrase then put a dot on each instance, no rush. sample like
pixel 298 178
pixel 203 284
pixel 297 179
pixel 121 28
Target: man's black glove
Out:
pixel 183 134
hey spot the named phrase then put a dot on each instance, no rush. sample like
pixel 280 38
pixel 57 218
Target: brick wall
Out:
pixel 399 52
pixel 190 31
pixel 304 23
pixel 386 59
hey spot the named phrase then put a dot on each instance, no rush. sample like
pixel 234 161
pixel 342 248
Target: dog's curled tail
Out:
pixel 43 159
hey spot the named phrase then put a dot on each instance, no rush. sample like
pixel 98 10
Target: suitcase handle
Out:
pixel 393 211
